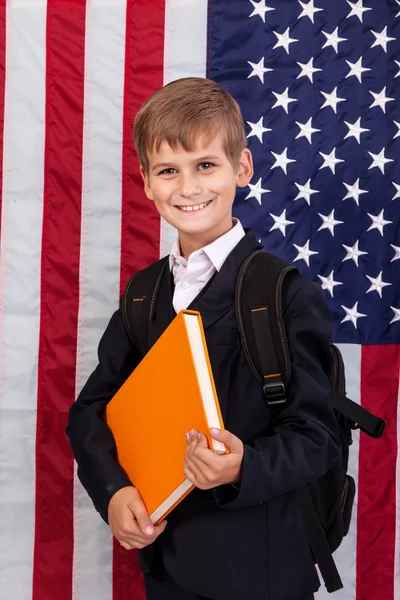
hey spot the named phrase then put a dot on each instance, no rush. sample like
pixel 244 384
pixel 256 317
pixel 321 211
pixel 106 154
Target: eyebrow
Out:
pixel 197 160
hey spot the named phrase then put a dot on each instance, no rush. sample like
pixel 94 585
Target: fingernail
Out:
pixel 192 432
pixel 214 431
pixel 187 435
pixel 199 436
pixel 149 530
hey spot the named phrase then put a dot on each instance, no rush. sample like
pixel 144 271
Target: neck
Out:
pixel 190 243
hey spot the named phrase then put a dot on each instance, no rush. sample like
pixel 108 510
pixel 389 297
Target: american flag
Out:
pixel 319 86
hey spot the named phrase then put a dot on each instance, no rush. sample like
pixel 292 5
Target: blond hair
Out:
pixel 182 111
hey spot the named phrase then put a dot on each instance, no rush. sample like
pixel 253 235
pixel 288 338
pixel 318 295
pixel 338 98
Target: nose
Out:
pixel 188 185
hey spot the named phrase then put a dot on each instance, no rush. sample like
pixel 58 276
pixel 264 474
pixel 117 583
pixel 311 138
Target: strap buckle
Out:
pixel 275 393
pixel 379 429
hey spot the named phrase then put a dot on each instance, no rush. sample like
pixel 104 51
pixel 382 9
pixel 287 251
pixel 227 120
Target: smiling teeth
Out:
pixel 196 207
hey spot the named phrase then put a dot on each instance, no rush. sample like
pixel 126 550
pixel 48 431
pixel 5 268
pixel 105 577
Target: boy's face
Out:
pixel 194 191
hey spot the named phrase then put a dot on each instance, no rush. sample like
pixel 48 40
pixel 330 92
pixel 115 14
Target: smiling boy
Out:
pixel 239 534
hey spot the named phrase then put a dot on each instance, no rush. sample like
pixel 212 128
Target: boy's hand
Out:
pixel 129 521
pixel 206 469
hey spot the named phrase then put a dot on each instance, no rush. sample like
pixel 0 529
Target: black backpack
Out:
pixel 326 504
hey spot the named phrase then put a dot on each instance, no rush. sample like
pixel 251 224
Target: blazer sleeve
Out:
pixel 305 442
pixel 91 440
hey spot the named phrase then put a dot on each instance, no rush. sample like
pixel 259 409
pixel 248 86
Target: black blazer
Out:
pixel 228 543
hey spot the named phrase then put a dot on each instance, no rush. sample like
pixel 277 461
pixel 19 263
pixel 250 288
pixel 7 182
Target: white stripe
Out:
pixel 397 540
pixel 20 255
pixel 185 55
pixel 100 255
pixel 345 556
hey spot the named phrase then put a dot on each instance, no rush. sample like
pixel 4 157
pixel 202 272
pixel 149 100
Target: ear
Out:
pixel 246 170
pixel 146 181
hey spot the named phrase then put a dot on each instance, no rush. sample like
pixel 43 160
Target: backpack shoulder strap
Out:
pixel 259 316
pixel 138 303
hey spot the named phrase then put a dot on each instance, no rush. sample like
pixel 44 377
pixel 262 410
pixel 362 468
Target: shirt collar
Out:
pixel 217 251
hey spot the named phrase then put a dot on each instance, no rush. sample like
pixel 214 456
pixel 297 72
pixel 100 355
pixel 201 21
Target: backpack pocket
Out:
pixel 348 495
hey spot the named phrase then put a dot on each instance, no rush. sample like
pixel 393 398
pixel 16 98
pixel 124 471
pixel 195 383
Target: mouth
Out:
pixel 194 207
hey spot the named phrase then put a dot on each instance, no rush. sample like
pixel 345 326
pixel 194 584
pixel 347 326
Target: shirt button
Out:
pixel 185 285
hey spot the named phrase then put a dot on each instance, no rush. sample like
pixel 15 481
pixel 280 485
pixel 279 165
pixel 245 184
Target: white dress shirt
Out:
pixel 190 276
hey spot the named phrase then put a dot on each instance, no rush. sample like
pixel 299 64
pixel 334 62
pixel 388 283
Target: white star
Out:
pixel 377 284
pixel 381 99
pixel 353 253
pixel 256 191
pixel 397 253
pixel 305 191
pixel 258 70
pixel 396 312
pixel 333 39
pixel 398 14
pixel 355 130
pixel 283 100
pixel 329 222
pixel 308 10
pixel 258 129
pixel 357 9
pixel 356 69
pixel 282 161
pixel 281 222
pixel 378 222
pixel 352 314
pixel 397 194
pixel 260 9
pixel 354 191
pixel 306 130
pixel 382 39
pixel 330 160
pixel 304 253
pixel 328 283
pixel 307 70
pixel 379 160
pixel 398 64
pixel 398 133
pixel 284 40
pixel 332 100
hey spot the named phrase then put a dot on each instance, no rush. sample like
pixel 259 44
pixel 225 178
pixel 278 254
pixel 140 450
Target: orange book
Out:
pixel 169 393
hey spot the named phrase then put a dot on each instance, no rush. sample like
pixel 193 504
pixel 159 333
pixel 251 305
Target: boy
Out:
pixel 238 535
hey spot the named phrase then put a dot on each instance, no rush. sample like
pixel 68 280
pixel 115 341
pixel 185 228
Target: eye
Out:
pixel 169 171
pixel 206 166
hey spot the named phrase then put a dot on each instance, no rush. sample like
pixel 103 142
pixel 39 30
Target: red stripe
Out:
pixel 376 519
pixel 2 90
pixel 140 236
pixel 65 45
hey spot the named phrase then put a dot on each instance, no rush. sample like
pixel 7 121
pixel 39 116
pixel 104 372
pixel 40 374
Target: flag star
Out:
pixel 284 40
pixel 283 100
pixel 398 64
pixel 282 161
pixel 398 133
pixel 378 222
pixel 332 100
pixel 256 191
pixel 356 69
pixel 258 129
pixel 396 312
pixel 381 99
pixel 260 9
pixel 379 160
pixel 333 39
pixel 398 14
pixel 330 160
pixel 354 191
pixel 397 194
pixel 377 284
pixel 353 253
pixel 281 222
pixel 329 222
pixel 352 314
pixel 305 191
pixel 307 70
pixel 397 253
pixel 304 253
pixel 328 283
pixel 382 39
pixel 357 9
pixel 308 10
pixel 258 70
pixel 306 130
pixel 355 130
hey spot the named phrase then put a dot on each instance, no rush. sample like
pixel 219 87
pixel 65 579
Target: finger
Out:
pixel 199 470
pixel 126 545
pixel 142 517
pixel 230 440
pixel 189 474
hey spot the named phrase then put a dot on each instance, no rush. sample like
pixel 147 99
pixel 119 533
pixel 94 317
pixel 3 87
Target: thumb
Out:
pixel 229 439
pixel 142 517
